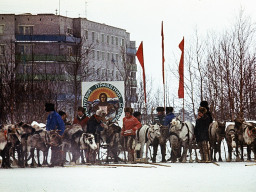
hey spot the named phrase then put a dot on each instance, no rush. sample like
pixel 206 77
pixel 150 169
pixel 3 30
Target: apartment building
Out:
pixel 59 52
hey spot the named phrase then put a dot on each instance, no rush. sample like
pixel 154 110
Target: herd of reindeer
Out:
pixel 26 145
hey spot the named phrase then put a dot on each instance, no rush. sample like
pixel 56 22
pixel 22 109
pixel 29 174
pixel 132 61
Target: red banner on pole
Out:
pixel 140 57
pixel 181 70
pixel 162 34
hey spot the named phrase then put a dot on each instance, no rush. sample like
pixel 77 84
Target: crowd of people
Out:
pixel 131 123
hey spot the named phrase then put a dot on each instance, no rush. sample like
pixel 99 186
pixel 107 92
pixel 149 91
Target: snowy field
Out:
pixel 180 177
pixel 161 177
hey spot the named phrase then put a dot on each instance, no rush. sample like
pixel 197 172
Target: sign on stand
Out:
pixel 107 96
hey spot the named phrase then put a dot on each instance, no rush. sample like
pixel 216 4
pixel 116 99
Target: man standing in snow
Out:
pixel 159 119
pixel 202 134
pixel 54 121
pixel 130 125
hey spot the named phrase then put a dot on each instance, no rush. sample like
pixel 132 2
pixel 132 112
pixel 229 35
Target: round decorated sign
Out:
pixel 104 96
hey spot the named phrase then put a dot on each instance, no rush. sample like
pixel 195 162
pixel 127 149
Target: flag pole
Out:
pixel 162 34
pixel 183 109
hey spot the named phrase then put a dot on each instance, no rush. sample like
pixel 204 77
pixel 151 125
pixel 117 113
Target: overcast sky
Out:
pixel 142 19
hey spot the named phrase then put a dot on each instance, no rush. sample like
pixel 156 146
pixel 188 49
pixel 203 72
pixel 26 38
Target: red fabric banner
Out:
pixel 162 34
pixel 140 57
pixel 181 70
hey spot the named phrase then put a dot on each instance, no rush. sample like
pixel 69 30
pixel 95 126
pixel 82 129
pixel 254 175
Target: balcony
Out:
pixel 133 83
pixel 133 67
pixel 131 51
pixel 47 38
pixel 44 58
pixel 41 77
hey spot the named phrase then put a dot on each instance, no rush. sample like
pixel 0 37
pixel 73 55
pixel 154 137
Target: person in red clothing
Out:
pixel 130 125
pixel 81 118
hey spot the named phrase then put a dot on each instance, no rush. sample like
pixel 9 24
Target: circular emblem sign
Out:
pixel 104 97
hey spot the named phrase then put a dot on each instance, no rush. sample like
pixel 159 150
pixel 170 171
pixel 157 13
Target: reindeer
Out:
pixel 216 134
pixel 38 140
pixel 249 136
pixel 231 140
pixel 145 135
pixel 75 140
pixel 184 132
pixel 4 147
pixel 111 137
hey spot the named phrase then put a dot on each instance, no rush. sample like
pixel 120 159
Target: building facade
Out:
pixel 49 55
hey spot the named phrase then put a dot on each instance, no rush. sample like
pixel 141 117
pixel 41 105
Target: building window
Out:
pixel 108 57
pixel 117 75
pixel 86 34
pixel 98 55
pixel 102 72
pixel 93 36
pixel 103 56
pixel 25 49
pixel 25 30
pixel 98 37
pixel 93 54
pixel 108 39
pixel 122 42
pixel 112 59
pixel 98 72
pixel 1 29
pixel 112 40
pixel 116 40
pixel 116 58
pixel 70 51
pixel 102 38
pixel 1 49
pixel 70 31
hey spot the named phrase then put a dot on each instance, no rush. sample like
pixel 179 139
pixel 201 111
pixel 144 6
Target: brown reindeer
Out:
pixel 216 134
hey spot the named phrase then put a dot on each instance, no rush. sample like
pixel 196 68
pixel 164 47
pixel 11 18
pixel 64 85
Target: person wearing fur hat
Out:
pixel 54 121
pixel 159 119
pixel 202 134
pixel 137 115
pixel 205 105
pixel 130 126
pixel 96 124
pixel 81 118
pixel 169 116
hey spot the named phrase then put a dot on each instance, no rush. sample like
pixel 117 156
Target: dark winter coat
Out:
pixel 54 121
pixel 94 127
pixel 159 119
pixel 168 119
pixel 202 127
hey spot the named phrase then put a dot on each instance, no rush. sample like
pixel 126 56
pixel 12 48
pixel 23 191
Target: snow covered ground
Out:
pixel 180 177
pixel 175 177
pixel 186 177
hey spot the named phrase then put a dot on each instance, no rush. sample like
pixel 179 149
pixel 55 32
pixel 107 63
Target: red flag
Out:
pixel 162 34
pixel 181 70
pixel 140 57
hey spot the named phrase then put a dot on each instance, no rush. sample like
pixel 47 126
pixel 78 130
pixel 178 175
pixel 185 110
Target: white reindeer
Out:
pixel 183 133
pixel 146 134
